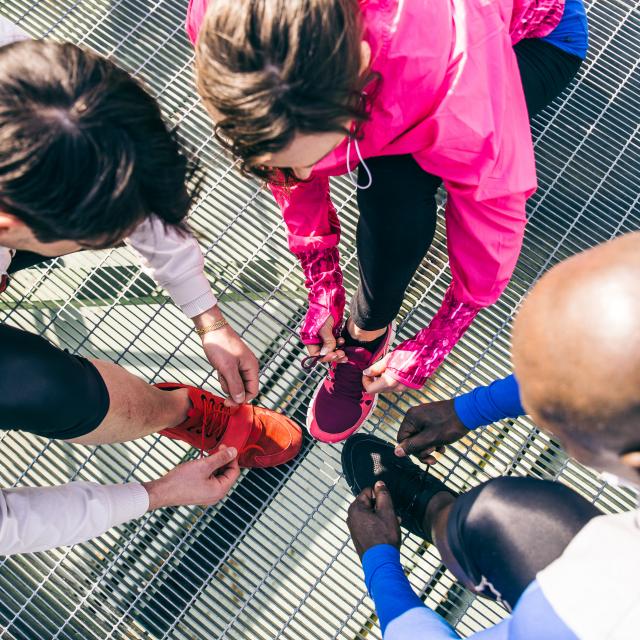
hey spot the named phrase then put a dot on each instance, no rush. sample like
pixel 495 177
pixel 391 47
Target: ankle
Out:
pixel 436 507
pixel 362 335
pixel 176 405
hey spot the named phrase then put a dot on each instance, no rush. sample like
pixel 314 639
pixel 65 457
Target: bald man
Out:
pixel 564 569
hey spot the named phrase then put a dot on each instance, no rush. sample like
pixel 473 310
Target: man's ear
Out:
pixel 365 56
pixel 8 222
pixel 631 459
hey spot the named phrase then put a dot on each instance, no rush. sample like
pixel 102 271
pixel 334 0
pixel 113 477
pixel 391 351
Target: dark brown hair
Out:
pixel 84 152
pixel 268 69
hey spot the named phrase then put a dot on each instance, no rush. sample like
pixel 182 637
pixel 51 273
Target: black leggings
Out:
pixel 503 532
pixel 398 211
pixel 43 389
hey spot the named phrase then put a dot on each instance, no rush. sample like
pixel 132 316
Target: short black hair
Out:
pixel 84 152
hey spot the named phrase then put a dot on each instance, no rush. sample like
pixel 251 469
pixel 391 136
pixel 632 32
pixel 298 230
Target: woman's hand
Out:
pixel 376 379
pixel 328 349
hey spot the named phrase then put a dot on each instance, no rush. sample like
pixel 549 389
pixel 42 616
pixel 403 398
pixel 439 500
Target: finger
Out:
pixel 383 497
pixel 229 474
pixel 376 369
pixel 223 384
pixel 250 374
pixel 220 458
pixel 408 427
pixel 441 449
pixel 235 383
pixel 379 385
pixel 333 356
pixel 313 349
pixel 328 347
pixel 365 498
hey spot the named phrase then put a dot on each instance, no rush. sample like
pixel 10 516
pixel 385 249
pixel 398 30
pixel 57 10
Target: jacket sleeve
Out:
pixel 174 260
pixel 38 518
pixel 484 238
pixel 313 233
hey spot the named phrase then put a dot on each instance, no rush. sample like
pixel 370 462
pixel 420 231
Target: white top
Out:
pixel 35 519
pixel 172 259
pixel 594 586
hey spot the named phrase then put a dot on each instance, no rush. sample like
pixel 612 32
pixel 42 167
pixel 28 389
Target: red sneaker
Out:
pixel 263 438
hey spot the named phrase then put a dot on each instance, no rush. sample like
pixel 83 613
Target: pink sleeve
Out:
pixel 484 240
pixel 313 235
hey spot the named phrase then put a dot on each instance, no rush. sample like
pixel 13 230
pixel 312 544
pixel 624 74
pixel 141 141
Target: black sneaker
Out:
pixel 367 459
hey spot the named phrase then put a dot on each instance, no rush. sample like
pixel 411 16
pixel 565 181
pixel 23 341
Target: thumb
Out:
pixel 376 369
pixel 328 340
pixel 384 503
pixel 220 458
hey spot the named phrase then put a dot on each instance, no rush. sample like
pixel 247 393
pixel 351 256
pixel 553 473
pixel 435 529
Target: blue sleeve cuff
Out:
pixel 387 583
pixel 485 405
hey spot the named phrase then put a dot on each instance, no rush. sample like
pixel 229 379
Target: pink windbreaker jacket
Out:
pixel 451 96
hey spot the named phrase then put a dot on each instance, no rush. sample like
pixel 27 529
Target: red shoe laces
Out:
pixel 215 419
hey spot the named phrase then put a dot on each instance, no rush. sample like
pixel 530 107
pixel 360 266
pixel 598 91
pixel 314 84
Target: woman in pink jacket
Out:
pixel 403 95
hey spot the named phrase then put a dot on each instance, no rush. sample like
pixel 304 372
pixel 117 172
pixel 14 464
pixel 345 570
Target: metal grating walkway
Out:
pixel 274 560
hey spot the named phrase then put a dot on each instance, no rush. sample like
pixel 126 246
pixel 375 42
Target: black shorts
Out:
pixel 503 532
pixel 43 389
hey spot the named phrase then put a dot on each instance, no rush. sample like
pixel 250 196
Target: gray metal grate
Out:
pixel 274 559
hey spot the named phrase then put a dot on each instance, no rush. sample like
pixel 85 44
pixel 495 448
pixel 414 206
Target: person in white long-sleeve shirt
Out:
pixel 86 161
pixel 39 518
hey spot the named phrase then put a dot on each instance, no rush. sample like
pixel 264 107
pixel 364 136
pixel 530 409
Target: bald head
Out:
pixel 576 352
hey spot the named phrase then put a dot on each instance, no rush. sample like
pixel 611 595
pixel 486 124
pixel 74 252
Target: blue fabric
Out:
pixel 403 616
pixel 418 623
pixel 386 583
pixel 484 405
pixel 572 33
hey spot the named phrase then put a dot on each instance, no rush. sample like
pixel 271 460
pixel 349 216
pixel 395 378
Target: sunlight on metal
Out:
pixel 274 560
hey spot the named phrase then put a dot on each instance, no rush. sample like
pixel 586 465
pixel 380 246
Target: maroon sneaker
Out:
pixel 340 404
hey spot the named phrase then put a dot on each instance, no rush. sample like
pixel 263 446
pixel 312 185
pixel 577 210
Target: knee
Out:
pixel 42 387
pixel 492 506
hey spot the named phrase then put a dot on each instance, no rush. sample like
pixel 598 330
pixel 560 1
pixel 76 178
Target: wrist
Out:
pixel 208 317
pixel 154 489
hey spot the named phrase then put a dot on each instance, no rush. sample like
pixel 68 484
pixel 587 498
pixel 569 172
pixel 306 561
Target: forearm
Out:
pixel 35 519
pixel 326 295
pixel 313 233
pixel 485 405
pixel 174 260
pixel 413 361
pixel 394 598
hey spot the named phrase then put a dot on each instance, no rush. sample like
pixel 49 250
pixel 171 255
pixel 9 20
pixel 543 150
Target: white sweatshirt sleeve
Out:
pixel 10 32
pixel 35 519
pixel 176 263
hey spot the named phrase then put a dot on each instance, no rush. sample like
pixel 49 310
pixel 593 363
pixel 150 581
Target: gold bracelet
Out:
pixel 218 324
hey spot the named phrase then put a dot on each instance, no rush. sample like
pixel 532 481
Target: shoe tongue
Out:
pixel 358 357
pixel 239 427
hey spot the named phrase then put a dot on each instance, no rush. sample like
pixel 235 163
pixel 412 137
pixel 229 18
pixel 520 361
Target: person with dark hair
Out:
pixel 563 568
pixel 86 161
pixel 416 95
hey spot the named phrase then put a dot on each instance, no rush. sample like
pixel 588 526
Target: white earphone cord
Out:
pixel 352 176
